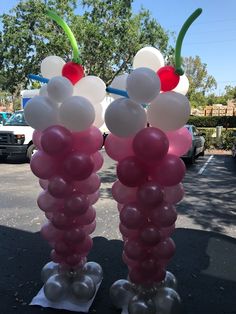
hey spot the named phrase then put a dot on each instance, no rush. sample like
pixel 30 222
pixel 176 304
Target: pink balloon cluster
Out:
pixel 66 163
pixel 149 173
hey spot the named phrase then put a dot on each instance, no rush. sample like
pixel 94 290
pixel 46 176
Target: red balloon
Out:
pixel 73 71
pixel 164 249
pixel 163 216
pixel 79 166
pixel 150 235
pixel 150 194
pixel 56 140
pixel 131 217
pixel 76 204
pixel 170 171
pixel 131 172
pixel 169 79
pixel 150 144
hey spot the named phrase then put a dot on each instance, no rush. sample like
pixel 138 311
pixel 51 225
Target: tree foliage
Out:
pixel 108 36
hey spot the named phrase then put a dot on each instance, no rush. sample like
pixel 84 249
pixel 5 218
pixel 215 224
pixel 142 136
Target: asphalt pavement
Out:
pixel 204 263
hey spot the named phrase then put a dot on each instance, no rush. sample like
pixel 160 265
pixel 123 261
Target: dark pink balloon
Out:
pixel 48 215
pixel 138 275
pixel 74 235
pixel 88 141
pixel 89 185
pixel 48 203
pixel 150 144
pixel 128 233
pixel 56 139
pixel 36 138
pixel 150 235
pixel 134 250
pixel 84 247
pixel 174 194
pixel 88 229
pixel 42 165
pixel 163 216
pixel 180 141
pixel 93 198
pixel 170 171
pixel 123 194
pixel 87 218
pixel 167 232
pixel 55 257
pixel 60 221
pixel 50 233
pixel 62 248
pixel 58 187
pixel 43 183
pixel 164 249
pixel 118 148
pixel 79 166
pixel 131 217
pixel 149 265
pixel 131 172
pixel 150 194
pixel 97 160
pixel 129 261
pixel 120 206
pixel 76 204
pixel 159 274
pixel 73 260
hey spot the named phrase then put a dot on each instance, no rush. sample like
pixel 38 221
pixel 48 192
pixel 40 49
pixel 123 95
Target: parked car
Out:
pixel 16 137
pixel 198 144
pixel 234 145
pixel 4 116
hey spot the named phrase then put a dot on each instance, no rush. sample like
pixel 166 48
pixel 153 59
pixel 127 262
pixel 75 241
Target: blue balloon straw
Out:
pixel 38 78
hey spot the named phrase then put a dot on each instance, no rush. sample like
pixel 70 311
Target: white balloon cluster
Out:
pixel 165 110
pixel 76 107
pixel 161 299
pixel 77 286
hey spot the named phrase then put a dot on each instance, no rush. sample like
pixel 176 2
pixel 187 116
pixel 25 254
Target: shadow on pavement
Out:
pixel 204 265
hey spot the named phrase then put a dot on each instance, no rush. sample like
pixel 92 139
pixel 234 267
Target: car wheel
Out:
pixel 30 151
pixel 192 159
pixel 202 153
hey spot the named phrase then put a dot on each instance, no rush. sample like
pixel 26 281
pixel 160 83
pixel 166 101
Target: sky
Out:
pixel 212 36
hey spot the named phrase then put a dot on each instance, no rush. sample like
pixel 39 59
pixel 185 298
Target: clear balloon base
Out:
pixel 69 290
pixel 160 298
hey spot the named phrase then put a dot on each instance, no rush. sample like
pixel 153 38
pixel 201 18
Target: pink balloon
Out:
pixel 174 194
pixel 93 198
pixel 50 233
pixel 36 138
pixel 89 185
pixel 131 172
pixel 150 144
pixel 170 171
pixel 134 250
pixel 123 194
pixel 42 165
pixel 120 206
pixel 76 204
pixel 43 183
pixel 164 249
pixel 56 139
pixel 180 141
pixel 74 235
pixel 118 148
pixel 88 229
pixel 163 216
pixel 88 141
pixel 131 217
pixel 87 218
pixel 167 232
pixel 128 233
pixel 79 166
pixel 60 221
pixel 48 203
pixel 150 235
pixel 97 160
pixel 150 194
pixel 58 187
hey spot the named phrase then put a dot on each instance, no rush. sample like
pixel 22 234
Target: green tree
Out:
pixel 230 93
pixel 108 35
pixel 200 82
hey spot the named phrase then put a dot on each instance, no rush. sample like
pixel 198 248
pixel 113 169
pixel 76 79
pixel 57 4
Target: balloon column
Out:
pixel 149 173
pixel 66 117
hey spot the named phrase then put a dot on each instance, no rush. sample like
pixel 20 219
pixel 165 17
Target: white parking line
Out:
pixel 205 165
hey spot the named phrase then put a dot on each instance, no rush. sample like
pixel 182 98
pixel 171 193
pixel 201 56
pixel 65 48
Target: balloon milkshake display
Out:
pixel 66 118
pixel 147 145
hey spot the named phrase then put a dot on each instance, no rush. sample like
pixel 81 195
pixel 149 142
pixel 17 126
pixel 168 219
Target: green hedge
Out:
pixel 212 122
pixel 224 142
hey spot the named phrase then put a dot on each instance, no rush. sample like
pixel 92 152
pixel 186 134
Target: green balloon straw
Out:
pixel 69 34
pixel 180 38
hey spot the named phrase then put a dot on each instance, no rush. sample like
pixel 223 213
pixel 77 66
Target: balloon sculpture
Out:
pixel 66 117
pixel 149 172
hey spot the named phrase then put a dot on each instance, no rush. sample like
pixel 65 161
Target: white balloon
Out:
pixel 43 91
pixel 148 57
pixel 52 66
pixel 143 85
pixel 40 113
pixel 91 87
pixel 169 111
pixel 119 82
pixel 182 86
pixel 124 117
pixel 59 88
pixel 99 117
pixel 77 113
